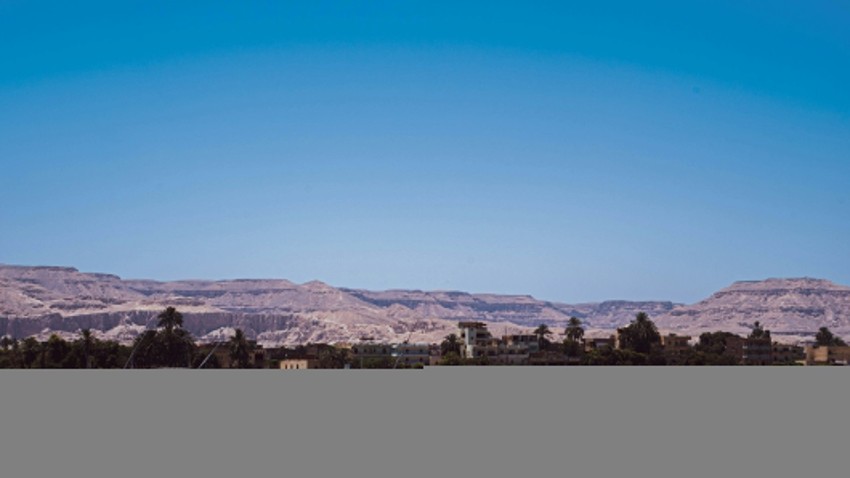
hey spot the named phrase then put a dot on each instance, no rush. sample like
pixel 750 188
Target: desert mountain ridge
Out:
pixel 38 301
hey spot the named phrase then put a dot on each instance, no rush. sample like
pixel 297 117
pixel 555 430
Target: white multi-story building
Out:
pixel 477 342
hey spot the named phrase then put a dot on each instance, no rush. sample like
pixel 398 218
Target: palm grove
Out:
pixel 169 345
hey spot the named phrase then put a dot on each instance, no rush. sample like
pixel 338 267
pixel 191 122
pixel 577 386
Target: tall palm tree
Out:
pixel 542 331
pixel 30 349
pixel 174 342
pixel 640 334
pixel 170 319
pixel 57 349
pixel 240 350
pixel 574 330
pixel 87 341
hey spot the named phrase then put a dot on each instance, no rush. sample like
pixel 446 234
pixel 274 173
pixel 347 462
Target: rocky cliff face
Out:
pixel 792 309
pixel 43 300
pixel 38 301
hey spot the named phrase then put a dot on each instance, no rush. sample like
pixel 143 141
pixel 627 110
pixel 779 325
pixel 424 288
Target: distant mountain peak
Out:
pixel 42 300
pixel 793 308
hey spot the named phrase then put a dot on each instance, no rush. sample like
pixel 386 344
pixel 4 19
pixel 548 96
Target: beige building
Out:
pixel 299 364
pixel 820 355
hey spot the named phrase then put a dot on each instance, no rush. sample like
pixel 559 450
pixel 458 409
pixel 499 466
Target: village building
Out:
pixel 827 355
pixel 299 364
pixel 412 354
pixel 757 351
pixel 599 343
pixel 673 344
pixel 478 343
pixel 787 354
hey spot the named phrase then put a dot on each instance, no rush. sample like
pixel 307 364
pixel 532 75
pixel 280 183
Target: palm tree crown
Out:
pixel 640 334
pixel 574 330
pixel 170 319
pixel 450 344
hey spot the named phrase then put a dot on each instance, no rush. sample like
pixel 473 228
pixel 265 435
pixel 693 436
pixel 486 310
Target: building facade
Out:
pixel 673 344
pixel 478 343
pixel 827 355
pixel 757 351
pixel 411 354
pixel 788 354
pixel 299 364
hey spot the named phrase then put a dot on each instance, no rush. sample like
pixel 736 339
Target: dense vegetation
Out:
pixel 171 346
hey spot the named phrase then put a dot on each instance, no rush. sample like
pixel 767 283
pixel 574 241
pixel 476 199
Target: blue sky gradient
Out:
pixel 652 151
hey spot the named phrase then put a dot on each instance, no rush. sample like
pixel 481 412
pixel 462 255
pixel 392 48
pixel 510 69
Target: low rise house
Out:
pixel 371 354
pixel 299 364
pixel 411 354
pixel 599 343
pixel 827 355
pixel 673 344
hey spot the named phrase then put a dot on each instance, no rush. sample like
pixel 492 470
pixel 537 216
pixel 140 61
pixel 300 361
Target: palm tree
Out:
pixel 174 342
pixel 170 319
pixel 30 350
pixel 145 351
pixel 450 344
pixel 574 330
pixel 826 338
pixel 758 331
pixel 574 333
pixel 240 350
pixel 640 334
pixel 542 331
pixel 57 350
pixel 87 341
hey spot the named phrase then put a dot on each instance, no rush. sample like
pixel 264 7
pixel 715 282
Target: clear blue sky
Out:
pixel 635 150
